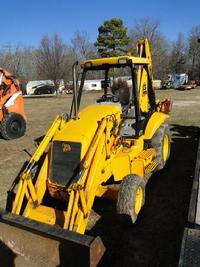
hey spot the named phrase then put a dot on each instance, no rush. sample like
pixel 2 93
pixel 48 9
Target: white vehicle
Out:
pixel 176 81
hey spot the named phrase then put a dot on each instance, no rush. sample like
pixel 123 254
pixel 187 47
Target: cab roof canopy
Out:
pixel 114 61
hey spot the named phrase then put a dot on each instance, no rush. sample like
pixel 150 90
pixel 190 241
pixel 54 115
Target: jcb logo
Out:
pixel 66 147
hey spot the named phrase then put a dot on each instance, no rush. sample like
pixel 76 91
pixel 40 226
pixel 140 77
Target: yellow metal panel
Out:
pixel 69 209
pixel 21 197
pixel 47 215
pixel 154 123
pixel 143 160
pixel 17 197
pixel 43 145
pixel 110 191
pixel 41 185
pixel 121 166
pixel 137 167
pixel 115 60
pixel 151 167
pixel 148 153
pixel 144 42
pixel 93 180
pixel 143 89
pixel 84 129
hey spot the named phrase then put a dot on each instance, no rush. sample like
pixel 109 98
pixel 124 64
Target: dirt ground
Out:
pixel 154 240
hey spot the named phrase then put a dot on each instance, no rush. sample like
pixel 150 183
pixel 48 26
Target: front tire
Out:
pixel 131 196
pixel 161 142
pixel 13 126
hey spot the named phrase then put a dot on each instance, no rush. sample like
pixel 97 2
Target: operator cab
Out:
pixel 119 77
pixel 116 83
pixel 119 88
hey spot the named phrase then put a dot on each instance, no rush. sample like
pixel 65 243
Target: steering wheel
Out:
pixel 109 97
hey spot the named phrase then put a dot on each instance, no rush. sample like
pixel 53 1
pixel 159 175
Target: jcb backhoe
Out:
pixel 12 116
pixel 108 149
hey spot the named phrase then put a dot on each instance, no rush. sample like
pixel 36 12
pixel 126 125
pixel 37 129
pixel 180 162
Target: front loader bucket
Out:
pixel 30 243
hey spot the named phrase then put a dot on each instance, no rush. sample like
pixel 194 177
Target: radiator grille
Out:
pixel 65 164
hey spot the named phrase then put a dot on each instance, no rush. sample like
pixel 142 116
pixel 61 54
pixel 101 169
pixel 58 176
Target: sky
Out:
pixel 25 21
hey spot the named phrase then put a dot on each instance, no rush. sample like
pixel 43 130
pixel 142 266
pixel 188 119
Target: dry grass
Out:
pixel 186 106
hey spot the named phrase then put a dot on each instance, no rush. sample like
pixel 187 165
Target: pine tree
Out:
pixel 112 38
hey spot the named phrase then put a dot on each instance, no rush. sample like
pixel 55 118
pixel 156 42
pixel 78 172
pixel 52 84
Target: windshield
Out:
pixel 115 82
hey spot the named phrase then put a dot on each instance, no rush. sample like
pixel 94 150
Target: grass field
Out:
pixel 155 238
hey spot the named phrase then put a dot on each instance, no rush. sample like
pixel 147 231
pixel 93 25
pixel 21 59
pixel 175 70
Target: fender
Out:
pixel 154 123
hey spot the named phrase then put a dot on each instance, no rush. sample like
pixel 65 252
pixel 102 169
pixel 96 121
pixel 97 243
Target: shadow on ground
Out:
pixel 7 256
pixel 154 240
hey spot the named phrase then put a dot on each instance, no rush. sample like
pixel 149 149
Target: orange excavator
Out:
pixel 12 116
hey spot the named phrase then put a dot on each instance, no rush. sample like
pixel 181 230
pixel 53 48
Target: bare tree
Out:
pixel 20 61
pixel 82 47
pixel 194 53
pixel 145 28
pixel 10 58
pixel 148 28
pixel 52 59
pixel 178 58
pixel 29 63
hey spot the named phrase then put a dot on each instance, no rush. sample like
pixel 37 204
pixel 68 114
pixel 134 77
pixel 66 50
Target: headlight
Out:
pixel 122 61
pixel 88 65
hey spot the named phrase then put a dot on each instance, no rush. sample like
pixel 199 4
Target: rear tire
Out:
pixel 131 196
pixel 13 126
pixel 161 142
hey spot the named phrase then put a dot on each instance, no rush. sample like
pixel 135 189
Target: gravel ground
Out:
pixel 154 240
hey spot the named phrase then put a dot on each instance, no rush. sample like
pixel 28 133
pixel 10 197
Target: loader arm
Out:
pixel 26 187
pixel 83 193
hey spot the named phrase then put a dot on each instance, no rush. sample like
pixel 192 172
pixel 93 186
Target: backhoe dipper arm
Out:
pixel 146 86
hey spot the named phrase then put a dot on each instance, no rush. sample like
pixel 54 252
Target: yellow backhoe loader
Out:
pixel 108 149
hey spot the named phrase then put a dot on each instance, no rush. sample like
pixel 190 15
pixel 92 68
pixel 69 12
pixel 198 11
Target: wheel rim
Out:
pixel 15 127
pixel 138 200
pixel 165 147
